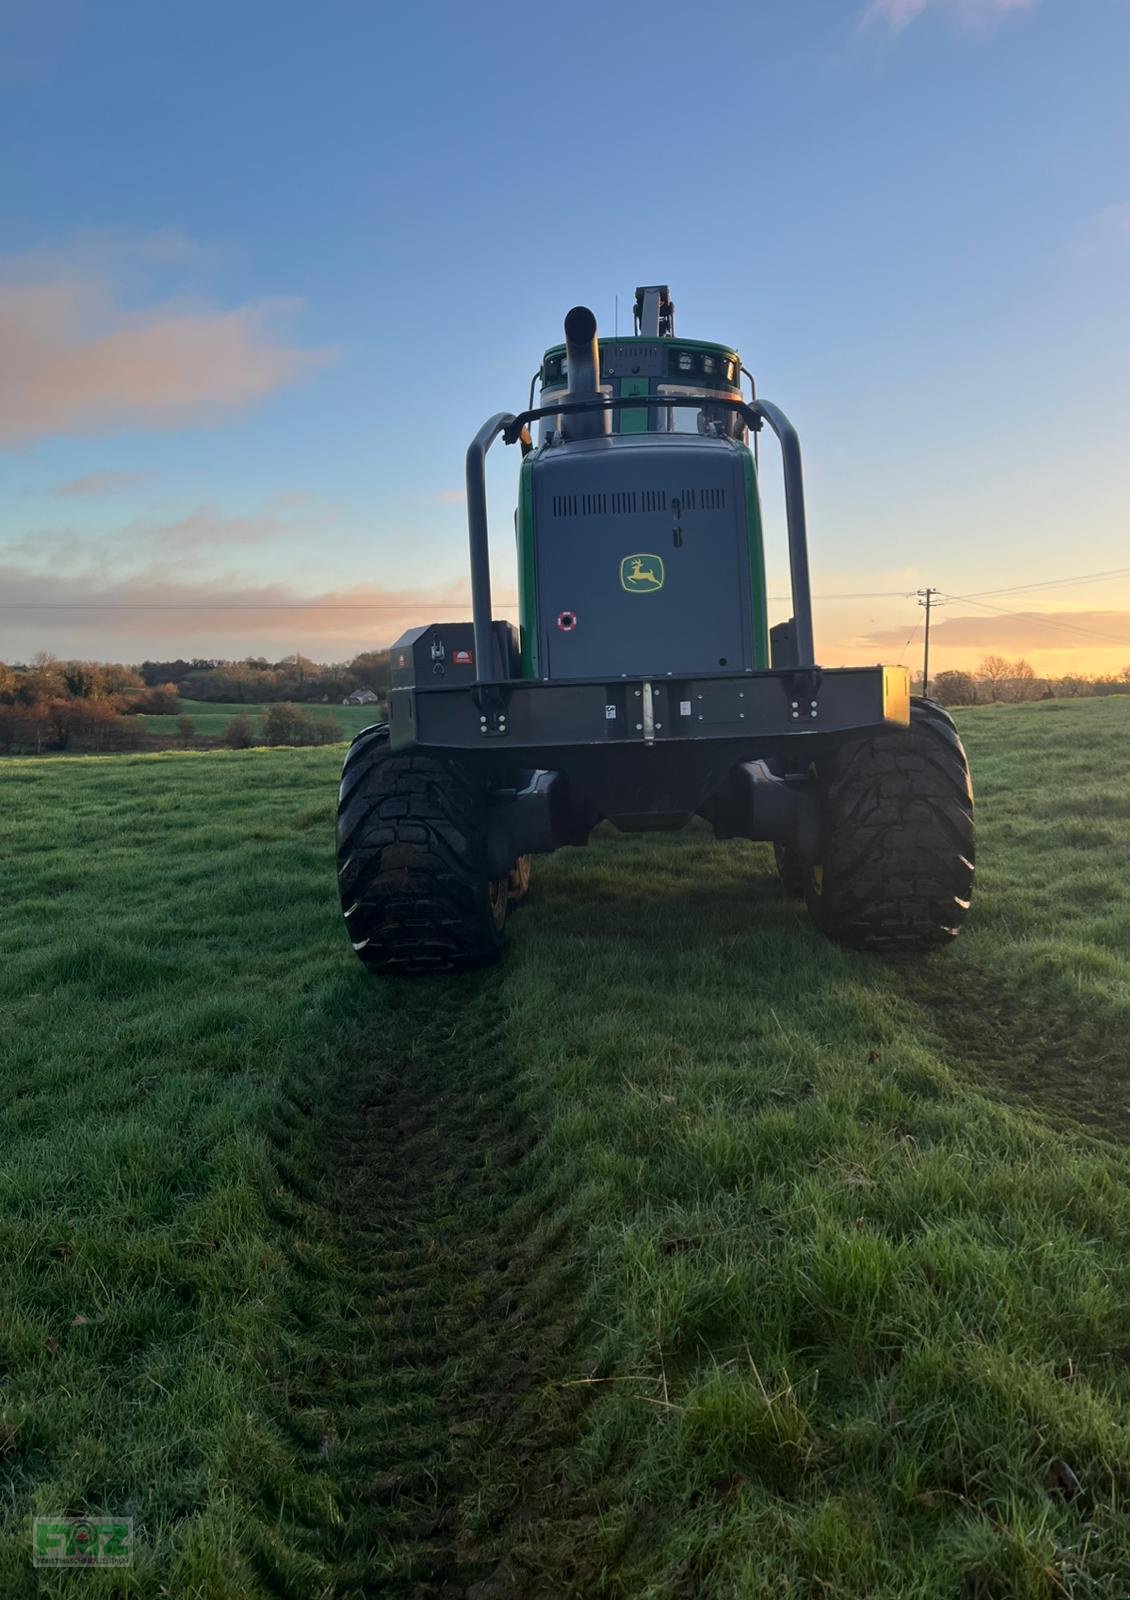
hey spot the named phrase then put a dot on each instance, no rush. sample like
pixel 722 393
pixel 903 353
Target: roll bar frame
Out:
pixel 515 428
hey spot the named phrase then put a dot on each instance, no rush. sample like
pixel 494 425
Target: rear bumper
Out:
pixel 537 724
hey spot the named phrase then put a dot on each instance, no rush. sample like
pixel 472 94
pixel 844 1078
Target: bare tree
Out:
pixel 993 672
pixel 1024 684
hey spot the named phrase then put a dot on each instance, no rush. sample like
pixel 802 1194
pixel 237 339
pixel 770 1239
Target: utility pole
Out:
pixel 926 599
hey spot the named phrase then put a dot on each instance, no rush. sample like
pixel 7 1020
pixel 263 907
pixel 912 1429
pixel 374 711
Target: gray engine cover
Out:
pixel 642 557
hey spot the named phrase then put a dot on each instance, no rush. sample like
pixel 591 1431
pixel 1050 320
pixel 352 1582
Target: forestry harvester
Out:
pixel 643 686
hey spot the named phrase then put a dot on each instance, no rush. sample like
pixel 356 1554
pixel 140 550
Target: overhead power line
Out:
pixel 1051 583
pixel 227 605
pixel 328 605
pixel 392 605
pixel 910 638
pixel 861 594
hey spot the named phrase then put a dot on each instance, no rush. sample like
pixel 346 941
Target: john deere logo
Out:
pixel 642 574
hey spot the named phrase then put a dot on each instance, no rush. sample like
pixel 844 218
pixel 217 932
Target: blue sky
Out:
pixel 264 269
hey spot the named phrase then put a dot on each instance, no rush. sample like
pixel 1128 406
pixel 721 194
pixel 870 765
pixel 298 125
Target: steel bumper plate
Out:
pixel 528 716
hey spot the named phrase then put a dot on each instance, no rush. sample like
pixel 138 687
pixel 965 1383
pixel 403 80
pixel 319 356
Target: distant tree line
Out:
pixel 254 679
pixel 47 704
pixel 999 679
pixel 50 704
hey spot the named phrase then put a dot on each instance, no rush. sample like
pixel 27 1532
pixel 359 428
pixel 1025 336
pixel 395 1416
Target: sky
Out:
pixel 264 269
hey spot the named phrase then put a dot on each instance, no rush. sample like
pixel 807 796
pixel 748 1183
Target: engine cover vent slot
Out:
pixel 704 499
pixel 631 502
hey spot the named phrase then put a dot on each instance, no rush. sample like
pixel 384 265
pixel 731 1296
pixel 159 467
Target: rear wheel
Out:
pixel 896 860
pixel 411 862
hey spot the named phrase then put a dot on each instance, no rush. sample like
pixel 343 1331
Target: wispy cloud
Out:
pixel 78 359
pixel 96 484
pixel 174 541
pixel 208 528
pixel 1030 633
pixel 77 614
pixel 452 497
pixel 1108 230
pixel 895 15
pixel 209 582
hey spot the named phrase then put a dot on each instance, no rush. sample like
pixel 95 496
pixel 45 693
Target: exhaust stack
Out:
pixel 583 355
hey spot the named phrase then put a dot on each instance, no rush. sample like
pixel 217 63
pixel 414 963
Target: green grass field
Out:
pixel 682 1255
pixel 211 718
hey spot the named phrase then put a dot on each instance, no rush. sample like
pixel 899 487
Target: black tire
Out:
pixel 411 838
pixel 790 870
pixel 897 855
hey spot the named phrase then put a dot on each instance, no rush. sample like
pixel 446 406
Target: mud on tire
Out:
pixel 897 855
pixel 411 836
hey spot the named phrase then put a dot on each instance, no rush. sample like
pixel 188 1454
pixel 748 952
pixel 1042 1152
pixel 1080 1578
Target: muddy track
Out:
pixel 431 1327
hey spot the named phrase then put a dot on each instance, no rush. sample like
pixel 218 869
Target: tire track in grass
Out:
pixel 434 1279
pixel 1022 1046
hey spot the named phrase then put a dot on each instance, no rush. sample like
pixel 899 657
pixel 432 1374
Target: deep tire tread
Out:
pixel 898 851
pixel 411 875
